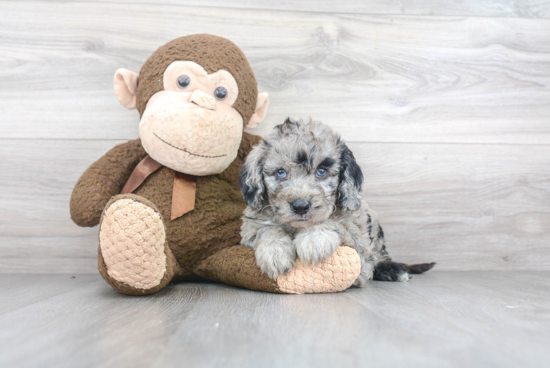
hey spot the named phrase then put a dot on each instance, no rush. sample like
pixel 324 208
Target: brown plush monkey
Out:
pixel 168 204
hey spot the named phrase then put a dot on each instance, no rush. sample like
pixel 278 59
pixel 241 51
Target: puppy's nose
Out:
pixel 300 207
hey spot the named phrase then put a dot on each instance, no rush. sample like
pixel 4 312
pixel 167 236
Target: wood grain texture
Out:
pixel 479 8
pixel 441 319
pixel 450 116
pixel 21 291
pixel 467 207
pixel 377 78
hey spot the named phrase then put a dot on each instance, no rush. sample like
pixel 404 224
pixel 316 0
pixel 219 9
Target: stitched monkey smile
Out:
pixel 184 150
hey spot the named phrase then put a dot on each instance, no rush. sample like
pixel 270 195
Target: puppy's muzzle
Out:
pixel 300 207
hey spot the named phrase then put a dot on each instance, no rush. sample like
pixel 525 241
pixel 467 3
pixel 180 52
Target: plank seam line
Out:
pixel 122 140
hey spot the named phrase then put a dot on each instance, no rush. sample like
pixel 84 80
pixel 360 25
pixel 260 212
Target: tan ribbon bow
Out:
pixel 183 192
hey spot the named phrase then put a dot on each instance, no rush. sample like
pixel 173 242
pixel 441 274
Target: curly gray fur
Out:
pixel 335 214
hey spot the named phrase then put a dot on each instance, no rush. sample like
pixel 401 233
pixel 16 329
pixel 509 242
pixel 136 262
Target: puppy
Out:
pixel 302 186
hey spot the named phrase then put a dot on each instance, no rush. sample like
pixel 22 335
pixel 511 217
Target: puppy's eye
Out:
pixel 321 173
pixel 281 174
pixel 184 81
pixel 220 93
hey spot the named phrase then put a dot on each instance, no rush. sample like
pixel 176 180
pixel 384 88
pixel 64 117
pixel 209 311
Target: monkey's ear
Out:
pixel 125 85
pixel 262 103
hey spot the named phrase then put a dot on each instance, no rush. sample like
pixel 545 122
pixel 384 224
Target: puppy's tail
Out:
pixel 419 268
pixel 393 271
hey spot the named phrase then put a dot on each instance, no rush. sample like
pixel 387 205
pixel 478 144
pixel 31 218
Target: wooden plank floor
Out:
pixel 441 319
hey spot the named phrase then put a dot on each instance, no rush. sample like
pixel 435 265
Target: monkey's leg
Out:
pixel 133 255
pixel 237 266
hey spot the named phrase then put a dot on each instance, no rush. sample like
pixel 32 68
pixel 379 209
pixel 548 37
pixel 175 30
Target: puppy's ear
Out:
pixel 251 177
pixel 351 179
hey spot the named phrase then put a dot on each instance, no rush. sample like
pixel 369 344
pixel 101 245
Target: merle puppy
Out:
pixel 302 186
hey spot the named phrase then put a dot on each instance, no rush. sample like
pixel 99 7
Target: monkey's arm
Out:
pixel 237 266
pixel 102 180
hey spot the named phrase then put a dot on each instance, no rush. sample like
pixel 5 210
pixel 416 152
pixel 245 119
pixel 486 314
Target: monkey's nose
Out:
pixel 203 99
pixel 300 207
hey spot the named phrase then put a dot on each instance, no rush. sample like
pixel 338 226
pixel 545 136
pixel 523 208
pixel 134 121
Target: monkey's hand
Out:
pixel 102 180
pixel 316 243
pixel 275 253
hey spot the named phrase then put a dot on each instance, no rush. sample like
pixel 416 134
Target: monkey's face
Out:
pixel 191 126
pixel 192 121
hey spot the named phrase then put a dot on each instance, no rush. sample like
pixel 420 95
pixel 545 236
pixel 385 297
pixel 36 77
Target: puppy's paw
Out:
pixel 315 245
pixel 275 258
pixel 367 273
pixel 391 271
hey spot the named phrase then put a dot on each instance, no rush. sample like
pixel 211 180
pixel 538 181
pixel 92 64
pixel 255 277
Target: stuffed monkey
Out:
pixel 168 204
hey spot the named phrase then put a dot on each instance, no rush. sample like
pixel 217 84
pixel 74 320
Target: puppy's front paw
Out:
pixel 367 273
pixel 314 245
pixel 276 258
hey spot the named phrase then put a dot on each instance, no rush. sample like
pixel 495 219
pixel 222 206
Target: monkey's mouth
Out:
pixel 184 150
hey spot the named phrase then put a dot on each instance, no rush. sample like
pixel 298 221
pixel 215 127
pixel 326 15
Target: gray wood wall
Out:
pixel 446 104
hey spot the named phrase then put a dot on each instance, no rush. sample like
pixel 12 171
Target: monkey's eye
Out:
pixel 220 93
pixel 184 81
pixel 321 173
pixel 281 174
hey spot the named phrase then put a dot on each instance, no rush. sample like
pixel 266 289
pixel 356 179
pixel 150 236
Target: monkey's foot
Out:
pixel 133 256
pixel 335 274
